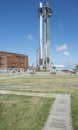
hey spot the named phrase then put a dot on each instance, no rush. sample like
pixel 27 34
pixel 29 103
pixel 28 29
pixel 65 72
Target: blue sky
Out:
pixel 19 29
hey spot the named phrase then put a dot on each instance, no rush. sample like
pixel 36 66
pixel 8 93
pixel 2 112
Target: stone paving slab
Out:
pixel 60 114
pixel 28 93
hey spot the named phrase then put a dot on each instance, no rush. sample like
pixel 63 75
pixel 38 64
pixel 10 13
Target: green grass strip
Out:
pixel 23 113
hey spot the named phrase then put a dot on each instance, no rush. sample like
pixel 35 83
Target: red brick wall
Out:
pixel 10 60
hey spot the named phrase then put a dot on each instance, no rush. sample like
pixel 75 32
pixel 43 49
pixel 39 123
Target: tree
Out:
pixel 76 67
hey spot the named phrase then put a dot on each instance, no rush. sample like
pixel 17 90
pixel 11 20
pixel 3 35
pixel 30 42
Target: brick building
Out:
pixel 13 60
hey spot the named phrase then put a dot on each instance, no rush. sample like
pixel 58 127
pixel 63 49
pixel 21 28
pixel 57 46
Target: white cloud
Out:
pixel 62 47
pixel 30 37
pixel 66 53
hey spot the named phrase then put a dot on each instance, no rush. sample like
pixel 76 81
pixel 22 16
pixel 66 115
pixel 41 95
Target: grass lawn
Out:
pixel 48 84
pixel 23 113
pixel 40 80
pixel 74 98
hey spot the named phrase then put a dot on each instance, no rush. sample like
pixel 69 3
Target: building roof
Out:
pixel 13 53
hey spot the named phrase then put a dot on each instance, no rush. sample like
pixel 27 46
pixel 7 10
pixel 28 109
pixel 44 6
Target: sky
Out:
pixel 19 29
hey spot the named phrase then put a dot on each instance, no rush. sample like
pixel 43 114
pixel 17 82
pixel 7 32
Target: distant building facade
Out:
pixel 13 60
pixel 55 67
